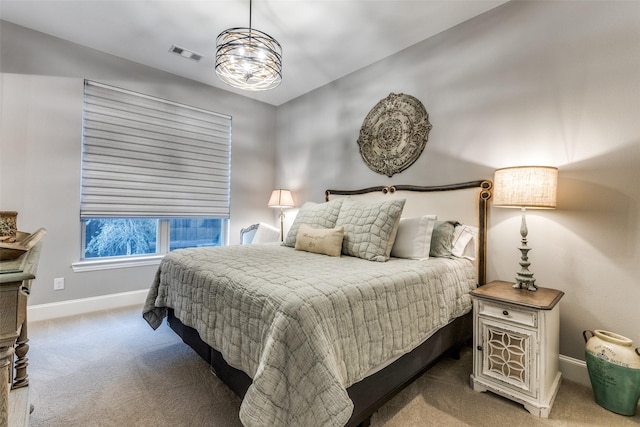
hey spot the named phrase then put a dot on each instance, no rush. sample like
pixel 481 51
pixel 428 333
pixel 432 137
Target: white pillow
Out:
pixel 464 241
pixel 266 234
pixel 414 237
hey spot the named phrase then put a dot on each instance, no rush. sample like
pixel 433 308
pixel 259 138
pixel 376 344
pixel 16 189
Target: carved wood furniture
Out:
pixel 516 340
pixel 247 233
pixel 13 308
pixel 16 276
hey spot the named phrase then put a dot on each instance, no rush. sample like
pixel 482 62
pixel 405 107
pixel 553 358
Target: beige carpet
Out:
pixel 111 369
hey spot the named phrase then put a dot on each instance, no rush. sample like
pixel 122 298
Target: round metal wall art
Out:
pixel 394 134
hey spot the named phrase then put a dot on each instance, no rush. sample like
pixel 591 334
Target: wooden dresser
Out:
pixel 16 276
pixel 14 402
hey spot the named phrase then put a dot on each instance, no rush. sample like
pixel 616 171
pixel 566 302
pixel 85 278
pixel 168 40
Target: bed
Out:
pixel 310 339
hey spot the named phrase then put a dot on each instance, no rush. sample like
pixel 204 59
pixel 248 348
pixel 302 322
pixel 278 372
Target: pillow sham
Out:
pixel 464 241
pixel 442 238
pixel 369 228
pixel 413 239
pixel 326 241
pixel 266 234
pixel 317 215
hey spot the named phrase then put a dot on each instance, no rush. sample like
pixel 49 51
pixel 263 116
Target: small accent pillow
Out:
pixel 442 238
pixel 414 237
pixel 266 234
pixel 464 241
pixel 369 228
pixel 326 241
pixel 317 215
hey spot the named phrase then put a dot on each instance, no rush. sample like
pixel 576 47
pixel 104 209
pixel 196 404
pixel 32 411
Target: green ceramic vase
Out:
pixel 614 371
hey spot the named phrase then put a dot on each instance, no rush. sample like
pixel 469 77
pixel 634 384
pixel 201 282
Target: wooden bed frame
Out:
pixel 375 390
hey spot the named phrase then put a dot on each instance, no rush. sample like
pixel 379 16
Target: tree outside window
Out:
pixel 116 237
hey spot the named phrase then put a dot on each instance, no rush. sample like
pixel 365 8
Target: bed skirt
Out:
pixel 368 394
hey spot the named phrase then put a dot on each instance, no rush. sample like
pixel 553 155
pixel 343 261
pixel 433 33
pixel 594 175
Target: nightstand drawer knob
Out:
pixel 505 312
pixel 479 348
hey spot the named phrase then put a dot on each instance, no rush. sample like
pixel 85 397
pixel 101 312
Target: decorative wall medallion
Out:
pixel 394 133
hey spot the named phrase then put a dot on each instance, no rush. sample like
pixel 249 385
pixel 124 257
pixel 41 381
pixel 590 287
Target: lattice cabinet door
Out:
pixel 516 343
pixel 507 355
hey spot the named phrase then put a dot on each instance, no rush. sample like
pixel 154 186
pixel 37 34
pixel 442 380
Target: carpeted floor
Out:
pixel 111 369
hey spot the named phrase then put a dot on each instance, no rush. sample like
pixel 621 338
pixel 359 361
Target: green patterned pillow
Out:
pixel 316 215
pixel 442 239
pixel 369 228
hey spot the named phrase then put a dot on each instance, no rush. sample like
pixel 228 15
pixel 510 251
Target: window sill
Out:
pixel 108 264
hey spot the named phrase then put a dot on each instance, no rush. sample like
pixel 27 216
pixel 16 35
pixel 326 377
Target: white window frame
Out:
pixel 107 263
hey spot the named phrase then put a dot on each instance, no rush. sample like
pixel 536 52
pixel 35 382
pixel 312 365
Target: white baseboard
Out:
pixel 85 305
pixel 574 370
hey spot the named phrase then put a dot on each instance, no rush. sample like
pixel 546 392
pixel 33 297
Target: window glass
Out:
pixel 190 232
pixel 109 237
pixel 119 237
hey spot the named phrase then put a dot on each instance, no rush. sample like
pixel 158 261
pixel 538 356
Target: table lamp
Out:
pixel 525 187
pixel 281 199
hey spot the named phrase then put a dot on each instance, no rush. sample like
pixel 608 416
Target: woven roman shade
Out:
pixel 147 157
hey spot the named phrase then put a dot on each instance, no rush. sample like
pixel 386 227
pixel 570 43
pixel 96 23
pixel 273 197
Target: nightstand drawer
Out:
pixel 508 312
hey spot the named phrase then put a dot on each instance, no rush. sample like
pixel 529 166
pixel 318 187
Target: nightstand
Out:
pixel 515 344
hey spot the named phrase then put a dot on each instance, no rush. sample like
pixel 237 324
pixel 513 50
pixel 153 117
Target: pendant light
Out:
pixel 248 59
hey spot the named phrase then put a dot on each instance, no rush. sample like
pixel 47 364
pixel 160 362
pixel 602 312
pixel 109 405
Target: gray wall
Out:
pixel 41 128
pixel 551 83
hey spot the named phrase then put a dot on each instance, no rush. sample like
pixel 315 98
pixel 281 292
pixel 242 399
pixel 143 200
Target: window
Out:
pixel 118 237
pixel 155 175
pixel 190 232
pixel 109 237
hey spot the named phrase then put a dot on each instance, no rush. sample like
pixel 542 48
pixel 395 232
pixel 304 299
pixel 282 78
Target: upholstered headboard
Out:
pixel 465 202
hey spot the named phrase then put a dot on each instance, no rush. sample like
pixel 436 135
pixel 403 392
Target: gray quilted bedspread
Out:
pixel 306 326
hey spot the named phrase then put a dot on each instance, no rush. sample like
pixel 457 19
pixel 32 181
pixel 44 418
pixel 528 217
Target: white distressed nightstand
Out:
pixel 515 344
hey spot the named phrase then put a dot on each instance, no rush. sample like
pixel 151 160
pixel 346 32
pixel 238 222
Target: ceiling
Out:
pixel 322 40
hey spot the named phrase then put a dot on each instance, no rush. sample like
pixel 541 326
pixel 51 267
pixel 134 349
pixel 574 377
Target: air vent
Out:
pixel 185 53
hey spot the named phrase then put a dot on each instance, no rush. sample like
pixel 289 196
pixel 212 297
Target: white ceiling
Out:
pixel 322 40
